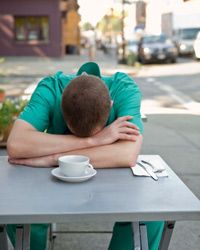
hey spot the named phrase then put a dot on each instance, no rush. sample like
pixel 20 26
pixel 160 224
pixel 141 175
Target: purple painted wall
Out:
pixel 50 8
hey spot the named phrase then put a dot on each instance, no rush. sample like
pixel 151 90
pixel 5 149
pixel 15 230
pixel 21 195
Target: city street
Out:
pixel 171 102
pixel 164 86
pixel 171 86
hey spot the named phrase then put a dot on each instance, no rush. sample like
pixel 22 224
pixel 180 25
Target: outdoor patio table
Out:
pixel 32 195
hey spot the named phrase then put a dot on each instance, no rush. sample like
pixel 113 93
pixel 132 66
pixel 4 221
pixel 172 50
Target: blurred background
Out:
pixel 152 30
pixel 157 42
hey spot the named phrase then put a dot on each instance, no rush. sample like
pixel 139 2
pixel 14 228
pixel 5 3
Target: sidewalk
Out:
pixel 37 66
pixel 23 71
pixel 175 137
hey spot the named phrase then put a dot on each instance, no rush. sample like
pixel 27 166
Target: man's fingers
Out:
pixel 13 161
pixel 123 122
pixel 128 137
pixel 124 118
pixel 127 130
pixel 17 161
pixel 128 124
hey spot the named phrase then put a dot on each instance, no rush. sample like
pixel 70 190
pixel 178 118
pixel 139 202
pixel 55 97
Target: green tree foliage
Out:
pixel 110 23
pixel 87 26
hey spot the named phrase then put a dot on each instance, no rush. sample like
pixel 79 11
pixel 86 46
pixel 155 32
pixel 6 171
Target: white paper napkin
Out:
pixel 160 170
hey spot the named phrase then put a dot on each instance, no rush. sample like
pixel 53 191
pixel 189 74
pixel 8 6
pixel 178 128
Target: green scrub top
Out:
pixel 44 112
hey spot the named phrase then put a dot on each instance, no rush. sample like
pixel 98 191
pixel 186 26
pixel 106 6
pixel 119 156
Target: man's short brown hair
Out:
pixel 85 105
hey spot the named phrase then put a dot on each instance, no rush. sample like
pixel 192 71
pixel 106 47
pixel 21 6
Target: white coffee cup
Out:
pixel 73 165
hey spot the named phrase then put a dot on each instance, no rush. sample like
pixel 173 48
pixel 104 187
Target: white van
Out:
pixel 197 46
pixel 184 38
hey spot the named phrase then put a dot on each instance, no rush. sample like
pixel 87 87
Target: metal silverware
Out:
pixel 149 170
pixel 155 169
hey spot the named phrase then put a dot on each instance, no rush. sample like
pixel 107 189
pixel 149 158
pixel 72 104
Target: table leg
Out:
pixel 22 237
pixel 3 238
pixel 19 238
pixel 136 235
pixel 166 236
pixel 140 236
pixel 52 235
pixel 143 237
pixel 26 237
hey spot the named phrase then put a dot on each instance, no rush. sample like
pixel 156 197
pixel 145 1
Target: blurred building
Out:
pixel 156 22
pixel 134 17
pixel 71 29
pixel 140 14
pixel 180 15
pixel 39 27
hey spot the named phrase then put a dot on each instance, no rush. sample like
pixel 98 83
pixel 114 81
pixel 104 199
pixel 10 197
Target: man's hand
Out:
pixel 44 161
pixel 120 129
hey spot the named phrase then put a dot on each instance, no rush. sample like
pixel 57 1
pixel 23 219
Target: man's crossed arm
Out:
pixel 116 145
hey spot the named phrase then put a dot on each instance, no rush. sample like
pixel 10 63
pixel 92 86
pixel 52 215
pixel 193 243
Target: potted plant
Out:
pixel 9 110
pixel 2 95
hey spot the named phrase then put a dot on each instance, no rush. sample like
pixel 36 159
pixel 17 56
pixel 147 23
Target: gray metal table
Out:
pixel 32 195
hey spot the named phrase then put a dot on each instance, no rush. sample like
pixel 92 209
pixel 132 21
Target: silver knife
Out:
pixel 149 170
pixel 155 169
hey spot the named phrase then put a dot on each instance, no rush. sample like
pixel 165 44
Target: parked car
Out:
pixel 197 46
pixel 156 48
pixel 185 40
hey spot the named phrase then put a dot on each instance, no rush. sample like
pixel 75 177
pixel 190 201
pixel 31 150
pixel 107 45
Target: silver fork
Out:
pixel 149 170
pixel 155 169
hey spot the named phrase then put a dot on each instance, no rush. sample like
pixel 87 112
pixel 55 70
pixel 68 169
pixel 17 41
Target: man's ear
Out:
pixel 111 103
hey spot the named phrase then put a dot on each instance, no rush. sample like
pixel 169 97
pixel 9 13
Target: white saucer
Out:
pixel 90 173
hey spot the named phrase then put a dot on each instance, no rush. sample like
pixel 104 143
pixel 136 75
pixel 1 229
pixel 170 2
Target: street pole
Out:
pixel 122 32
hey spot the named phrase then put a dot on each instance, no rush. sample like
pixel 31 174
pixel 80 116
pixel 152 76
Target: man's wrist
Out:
pixel 91 142
pixel 55 159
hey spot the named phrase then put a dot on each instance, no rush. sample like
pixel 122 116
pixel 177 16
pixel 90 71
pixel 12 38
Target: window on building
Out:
pixel 32 28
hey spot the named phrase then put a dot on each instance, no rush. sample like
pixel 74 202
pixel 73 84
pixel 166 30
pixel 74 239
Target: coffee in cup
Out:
pixel 73 165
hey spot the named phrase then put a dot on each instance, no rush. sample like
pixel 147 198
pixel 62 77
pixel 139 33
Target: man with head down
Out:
pixel 89 114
